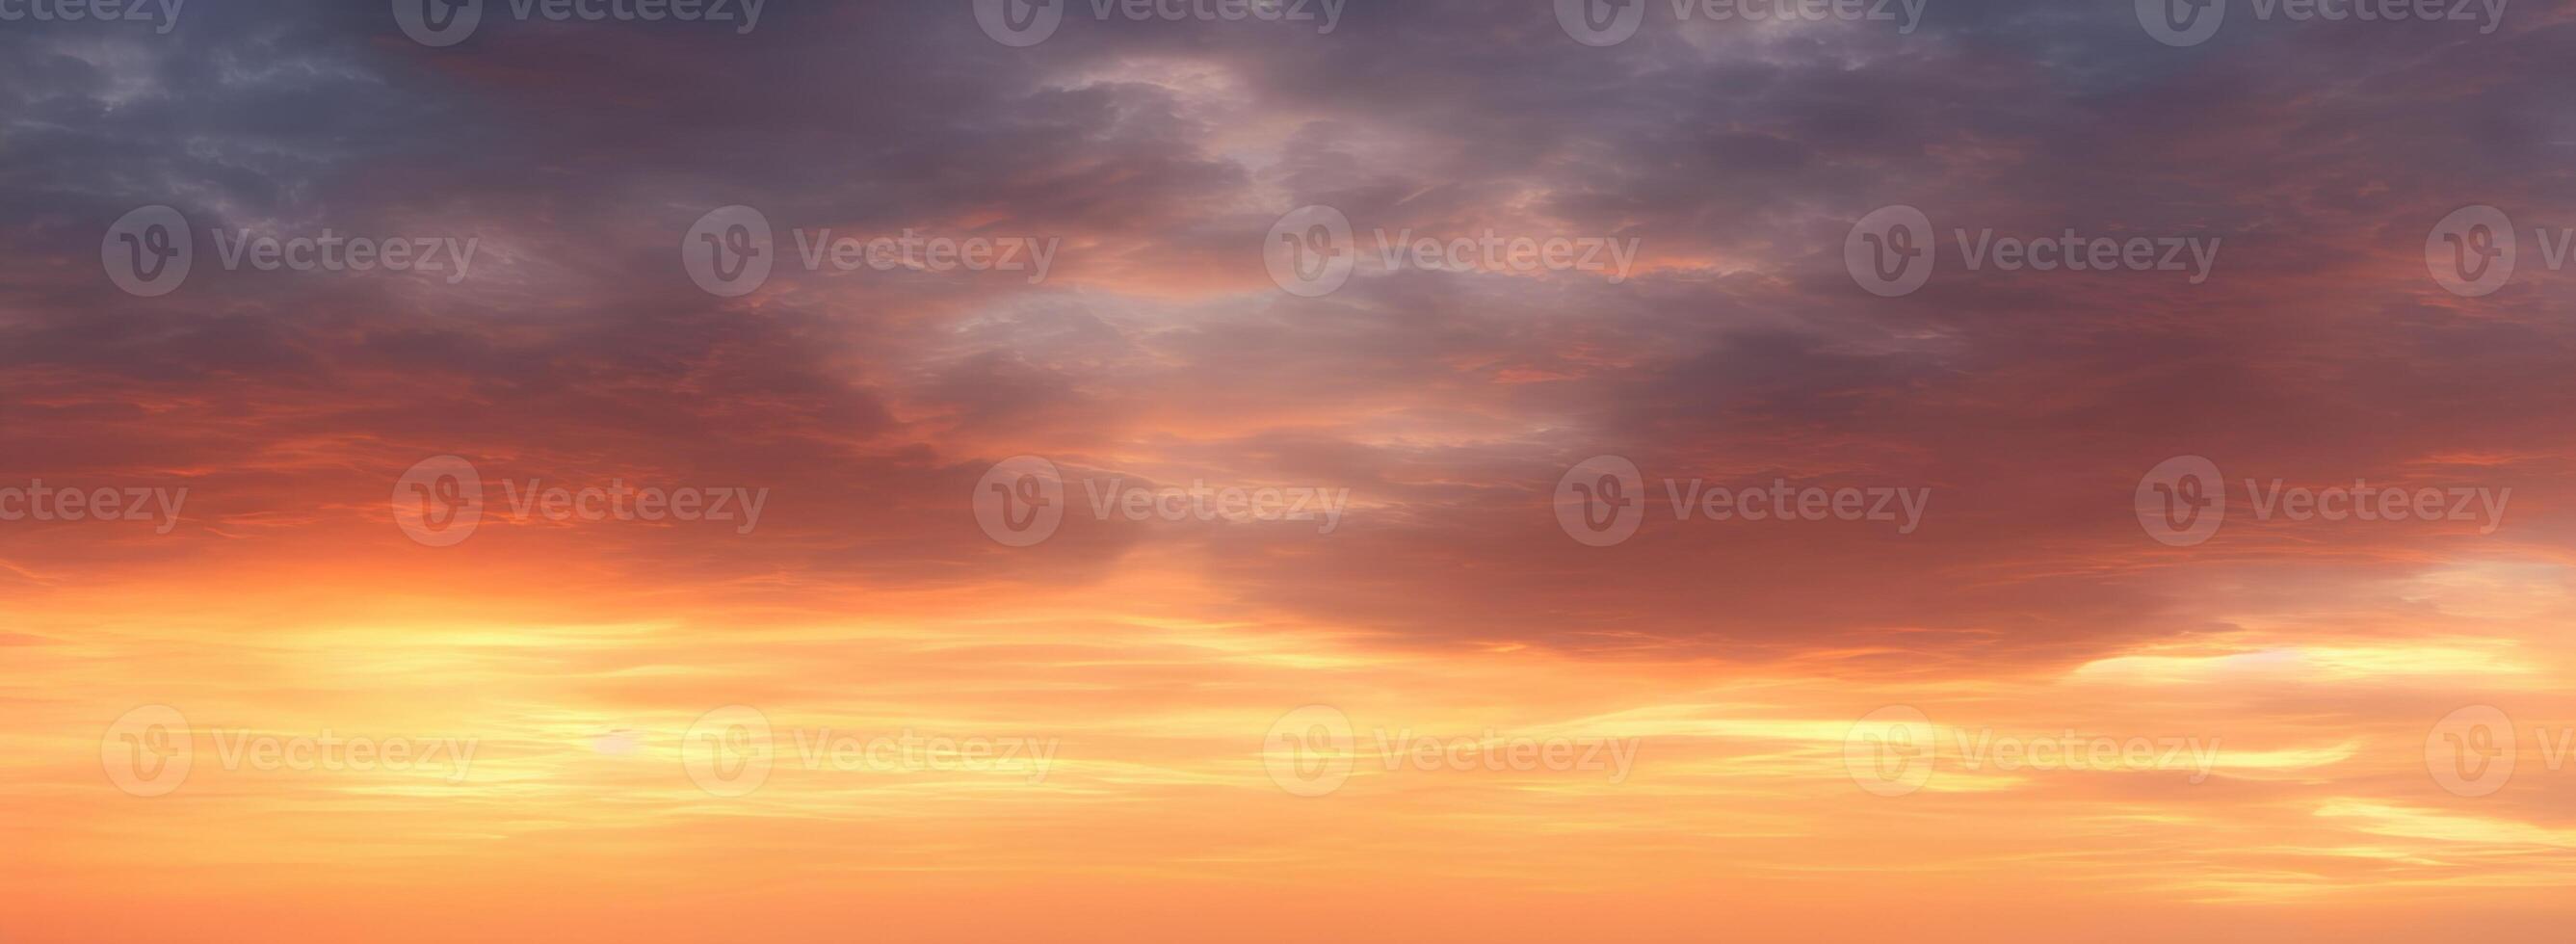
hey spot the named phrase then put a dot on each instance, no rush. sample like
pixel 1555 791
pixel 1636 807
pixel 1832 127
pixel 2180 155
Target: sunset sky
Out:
pixel 2059 618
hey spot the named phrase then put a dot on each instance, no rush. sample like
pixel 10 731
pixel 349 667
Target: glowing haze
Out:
pixel 1331 623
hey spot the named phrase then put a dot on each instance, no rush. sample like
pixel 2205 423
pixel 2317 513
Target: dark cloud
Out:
pixel 1159 154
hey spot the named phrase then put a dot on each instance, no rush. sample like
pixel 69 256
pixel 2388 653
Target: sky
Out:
pixel 1437 470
